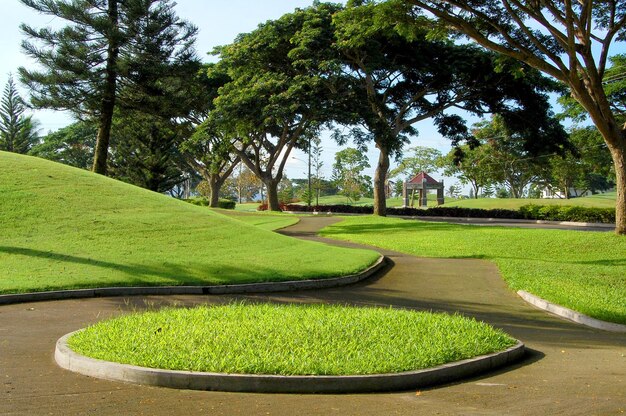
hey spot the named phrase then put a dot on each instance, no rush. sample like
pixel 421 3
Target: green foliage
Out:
pixel 568 213
pixel 583 271
pixel 289 339
pixel 277 99
pixel 587 166
pixel 348 173
pixel 421 159
pixel 226 204
pixel 103 43
pixel 72 145
pixel 67 228
pixel 18 132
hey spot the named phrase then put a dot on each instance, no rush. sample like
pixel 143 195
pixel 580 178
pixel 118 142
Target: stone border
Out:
pixel 287 286
pixel 69 360
pixel 569 314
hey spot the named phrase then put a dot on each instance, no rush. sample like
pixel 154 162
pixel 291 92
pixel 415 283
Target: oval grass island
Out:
pixel 287 348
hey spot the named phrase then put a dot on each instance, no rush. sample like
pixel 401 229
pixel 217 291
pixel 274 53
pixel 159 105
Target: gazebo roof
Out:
pixel 423 175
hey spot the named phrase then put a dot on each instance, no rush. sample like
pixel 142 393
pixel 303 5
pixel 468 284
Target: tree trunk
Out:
pixel 108 96
pixel 272 195
pixel 215 186
pixel 619 161
pixel 380 202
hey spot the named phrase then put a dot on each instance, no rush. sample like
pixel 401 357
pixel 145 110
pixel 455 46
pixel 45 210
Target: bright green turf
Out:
pixel 66 228
pixel 288 339
pixel 584 271
pixel 606 200
pixel 266 220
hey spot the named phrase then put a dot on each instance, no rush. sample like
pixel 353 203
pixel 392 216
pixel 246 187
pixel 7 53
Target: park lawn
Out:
pixel 267 220
pixel 605 200
pixel 288 339
pixel 584 271
pixel 65 228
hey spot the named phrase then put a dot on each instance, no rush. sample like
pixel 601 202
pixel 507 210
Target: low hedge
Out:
pixel 568 213
pixel 527 212
pixel 204 202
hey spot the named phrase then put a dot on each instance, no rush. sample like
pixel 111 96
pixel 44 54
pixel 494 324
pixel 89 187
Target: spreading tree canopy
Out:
pixel 274 101
pixel 568 40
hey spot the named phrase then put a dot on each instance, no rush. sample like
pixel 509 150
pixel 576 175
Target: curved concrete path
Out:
pixel 570 370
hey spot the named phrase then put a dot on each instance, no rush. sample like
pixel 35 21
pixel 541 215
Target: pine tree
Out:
pixel 96 55
pixel 18 132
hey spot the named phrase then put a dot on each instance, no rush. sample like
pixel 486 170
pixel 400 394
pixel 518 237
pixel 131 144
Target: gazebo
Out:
pixel 422 182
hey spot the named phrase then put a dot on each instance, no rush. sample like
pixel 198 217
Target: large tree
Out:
pixel 402 76
pixel 80 63
pixel 568 40
pixel 275 101
pixel 348 173
pixel 18 132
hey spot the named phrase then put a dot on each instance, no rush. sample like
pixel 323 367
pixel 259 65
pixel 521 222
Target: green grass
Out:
pixel 65 228
pixel 288 339
pixel 266 220
pixel 584 271
pixel 606 200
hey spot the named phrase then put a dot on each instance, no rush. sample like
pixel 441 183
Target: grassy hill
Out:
pixel 605 200
pixel 63 227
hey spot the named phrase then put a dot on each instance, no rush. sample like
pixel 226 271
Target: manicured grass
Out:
pixel 288 339
pixel 584 271
pixel 605 200
pixel 266 220
pixel 67 228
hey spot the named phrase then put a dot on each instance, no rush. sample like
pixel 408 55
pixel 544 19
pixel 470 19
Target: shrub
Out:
pixel 203 202
pixel 226 204
pixel 568 213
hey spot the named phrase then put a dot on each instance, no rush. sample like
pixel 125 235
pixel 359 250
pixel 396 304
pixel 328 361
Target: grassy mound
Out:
pixel 288 339
pixel 584 271
pixel 67 228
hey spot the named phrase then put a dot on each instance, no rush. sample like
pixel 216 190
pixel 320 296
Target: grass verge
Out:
pixel 288 339
pixel 583 271
pixel 605 200
pixel 65 228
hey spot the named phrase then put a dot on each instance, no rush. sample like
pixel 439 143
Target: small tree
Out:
pixel 419 159
pixel 348 173
pixel 18 132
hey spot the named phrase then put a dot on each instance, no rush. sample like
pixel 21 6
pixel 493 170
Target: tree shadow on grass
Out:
pixel 154 275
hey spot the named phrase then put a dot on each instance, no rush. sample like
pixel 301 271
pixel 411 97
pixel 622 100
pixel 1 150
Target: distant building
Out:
pixel 422 183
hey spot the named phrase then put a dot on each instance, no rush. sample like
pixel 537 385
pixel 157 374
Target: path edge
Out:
pixel 263 287
pixel 570 314
pixel 68 359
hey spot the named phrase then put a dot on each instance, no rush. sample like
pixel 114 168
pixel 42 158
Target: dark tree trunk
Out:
pixel 272 195
pixel 108 97
pixel 216 185
pixel 619 160
pixel 380 201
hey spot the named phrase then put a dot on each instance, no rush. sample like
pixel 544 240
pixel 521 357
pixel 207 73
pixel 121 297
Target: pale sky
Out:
pixel 219 22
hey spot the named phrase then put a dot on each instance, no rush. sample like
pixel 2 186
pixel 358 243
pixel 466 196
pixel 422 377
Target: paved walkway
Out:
pixel 570 369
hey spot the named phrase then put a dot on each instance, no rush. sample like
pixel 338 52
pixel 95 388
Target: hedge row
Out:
pixel 568 213
pixel 528 212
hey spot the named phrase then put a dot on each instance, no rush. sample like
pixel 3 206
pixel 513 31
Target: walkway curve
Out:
pixel 570 370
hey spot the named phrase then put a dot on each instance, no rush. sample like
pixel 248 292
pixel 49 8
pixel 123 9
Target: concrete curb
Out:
pixel 570 314
pixel 69 360
pixel 288 286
